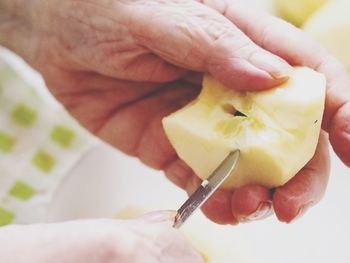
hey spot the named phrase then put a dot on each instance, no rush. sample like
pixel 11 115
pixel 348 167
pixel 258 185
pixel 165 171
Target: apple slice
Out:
pixel 276 130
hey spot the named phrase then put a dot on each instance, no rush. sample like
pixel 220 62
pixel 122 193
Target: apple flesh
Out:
pixel 276 130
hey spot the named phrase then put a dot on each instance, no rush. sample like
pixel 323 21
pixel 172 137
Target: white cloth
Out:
pixel 39 144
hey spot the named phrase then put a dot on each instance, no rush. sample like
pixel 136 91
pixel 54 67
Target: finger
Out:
pixel 306 188
pixel 154 148
pixel 194 78
pixel 178 172
pixel 165 216
pixel 135 128
pixel 340 133
pixel 251 202
pixel 293 45
pixel 194 36
pixel 218 206
pixel 103 95
pixel 162 243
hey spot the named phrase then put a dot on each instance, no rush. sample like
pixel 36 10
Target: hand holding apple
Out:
pixel 276 130
pixel 119 67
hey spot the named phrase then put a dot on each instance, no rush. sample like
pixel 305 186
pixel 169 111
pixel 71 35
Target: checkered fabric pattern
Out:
pixel 38 146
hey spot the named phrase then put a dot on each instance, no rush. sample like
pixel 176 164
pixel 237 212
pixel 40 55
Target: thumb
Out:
pixel 193 36
pixel 164 216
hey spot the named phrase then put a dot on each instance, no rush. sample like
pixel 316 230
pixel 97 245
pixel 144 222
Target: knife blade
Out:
pixel 206 189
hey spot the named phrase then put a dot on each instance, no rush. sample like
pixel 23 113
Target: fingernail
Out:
pixel 263 211
pixel 275 66
pixel 302 210
pixel 159 216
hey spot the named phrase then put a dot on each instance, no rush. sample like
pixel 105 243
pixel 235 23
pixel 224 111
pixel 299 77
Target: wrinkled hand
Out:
pixel 120 66
pixel 96 241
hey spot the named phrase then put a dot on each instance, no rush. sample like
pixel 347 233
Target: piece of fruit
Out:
pixel 297 11
pixel 331 27
pixel 276 130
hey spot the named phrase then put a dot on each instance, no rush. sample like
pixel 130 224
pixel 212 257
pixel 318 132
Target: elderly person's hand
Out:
pixel 120 66
pixel 148 239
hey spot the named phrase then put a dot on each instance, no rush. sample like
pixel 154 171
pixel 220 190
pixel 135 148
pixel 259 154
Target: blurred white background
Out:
pixel 106 181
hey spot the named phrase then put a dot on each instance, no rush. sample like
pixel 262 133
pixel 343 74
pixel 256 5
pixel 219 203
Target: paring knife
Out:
pixel 207 188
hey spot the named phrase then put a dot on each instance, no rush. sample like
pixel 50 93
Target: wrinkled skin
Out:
pixel 120 66
pixel 96 241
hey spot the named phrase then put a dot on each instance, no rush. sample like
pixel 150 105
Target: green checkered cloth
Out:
pixel 39 144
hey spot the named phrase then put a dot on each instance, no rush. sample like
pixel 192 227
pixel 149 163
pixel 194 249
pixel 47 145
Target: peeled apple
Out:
pixel 297 11
pixel 276 130
pixel 331 27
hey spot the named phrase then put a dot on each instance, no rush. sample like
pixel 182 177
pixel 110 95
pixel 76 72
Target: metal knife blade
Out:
pixel 207 188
